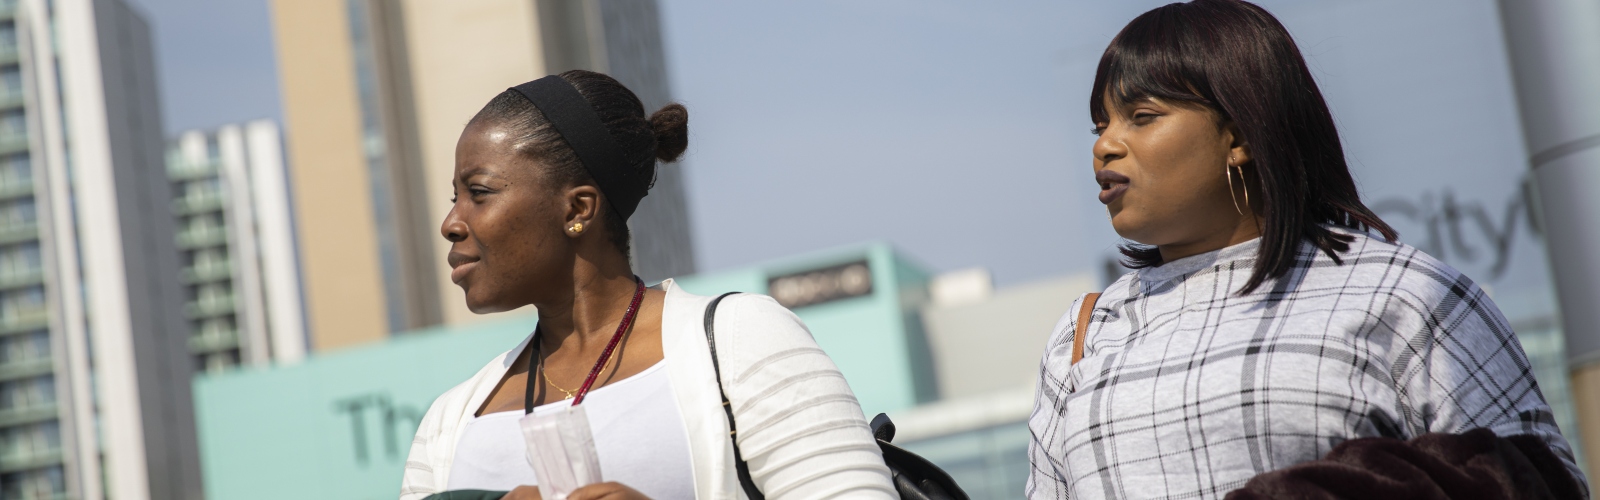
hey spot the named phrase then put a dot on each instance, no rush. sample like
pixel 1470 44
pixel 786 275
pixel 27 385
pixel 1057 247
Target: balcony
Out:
pixel 12 99
pixel 16 233
pixel 215 271
pixel 10 280
pixel 9 55
pixel 25 320
pixel 197 204
pixel 217 341
pixel 15 462
pixel 28 415
pixel 179 170
pixel 13 370
pixel 204 236
pixel 205 308
pixel 16 189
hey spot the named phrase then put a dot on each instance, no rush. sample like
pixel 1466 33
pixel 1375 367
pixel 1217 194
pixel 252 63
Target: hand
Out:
pixel 524 493
pixel 606 491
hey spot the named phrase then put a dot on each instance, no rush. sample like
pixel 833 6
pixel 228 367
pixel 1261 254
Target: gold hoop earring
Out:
pixel 1243 186
pixel 1227 171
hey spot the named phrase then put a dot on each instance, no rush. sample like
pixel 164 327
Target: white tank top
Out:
pixel 637 431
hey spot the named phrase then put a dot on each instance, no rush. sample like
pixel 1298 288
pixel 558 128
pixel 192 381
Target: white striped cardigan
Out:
pixel 800 427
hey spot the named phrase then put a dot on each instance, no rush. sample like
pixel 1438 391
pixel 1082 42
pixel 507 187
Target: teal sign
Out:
pixel 337 426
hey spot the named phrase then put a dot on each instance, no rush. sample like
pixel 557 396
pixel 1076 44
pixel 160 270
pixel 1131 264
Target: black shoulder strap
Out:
pixel 749 485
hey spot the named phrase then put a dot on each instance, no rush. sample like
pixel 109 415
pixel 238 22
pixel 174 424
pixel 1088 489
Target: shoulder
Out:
pixel 1400 270
pixel 1118 291
pixel 737 311
pixel 754 308
pixel 754 331
pixel 1066 327
pixel 451 406
pixel 751 315
pixel 454 397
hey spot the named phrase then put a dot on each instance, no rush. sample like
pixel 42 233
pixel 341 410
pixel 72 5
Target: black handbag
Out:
pixel 914 477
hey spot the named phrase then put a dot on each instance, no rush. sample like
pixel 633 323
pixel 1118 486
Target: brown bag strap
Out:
pixel 1084 312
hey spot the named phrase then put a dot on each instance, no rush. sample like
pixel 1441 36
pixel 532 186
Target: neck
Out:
pixel 1248 228
pixel 590 317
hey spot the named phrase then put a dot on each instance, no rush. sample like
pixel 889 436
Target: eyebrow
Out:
pixel 470 172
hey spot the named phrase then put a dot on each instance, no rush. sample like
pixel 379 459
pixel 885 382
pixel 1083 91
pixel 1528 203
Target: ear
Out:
pixel 1238 149
pixel 583 208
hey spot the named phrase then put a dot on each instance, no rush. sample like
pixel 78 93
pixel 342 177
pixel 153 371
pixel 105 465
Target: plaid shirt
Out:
pixel 1187 390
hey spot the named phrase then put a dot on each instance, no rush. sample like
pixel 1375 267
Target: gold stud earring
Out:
pixel 577 228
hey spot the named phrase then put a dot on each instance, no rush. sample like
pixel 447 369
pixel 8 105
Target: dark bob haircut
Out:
pixel 1234 58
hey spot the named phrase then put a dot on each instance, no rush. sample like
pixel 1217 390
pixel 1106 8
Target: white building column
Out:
pixel 1554 46
pixel 280 266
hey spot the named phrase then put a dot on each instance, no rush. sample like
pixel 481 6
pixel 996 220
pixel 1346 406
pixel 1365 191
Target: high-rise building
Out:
pixel 236 244
pixel 375 95
pixel 94 370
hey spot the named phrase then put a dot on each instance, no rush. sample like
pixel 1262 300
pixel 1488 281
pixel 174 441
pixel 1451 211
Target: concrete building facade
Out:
pixel 375 95
pixel 94 370
pixel 236 246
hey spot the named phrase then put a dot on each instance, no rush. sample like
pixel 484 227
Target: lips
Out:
pixel 1112 185
pixel 460 265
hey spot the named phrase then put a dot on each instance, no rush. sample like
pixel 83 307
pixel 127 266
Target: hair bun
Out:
pixel 671 126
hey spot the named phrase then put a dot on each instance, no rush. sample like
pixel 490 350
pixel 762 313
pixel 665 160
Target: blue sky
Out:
pixel 958 130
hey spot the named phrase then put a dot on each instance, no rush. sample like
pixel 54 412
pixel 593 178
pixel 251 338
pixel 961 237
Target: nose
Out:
pixel 453 228
pixel 1109 146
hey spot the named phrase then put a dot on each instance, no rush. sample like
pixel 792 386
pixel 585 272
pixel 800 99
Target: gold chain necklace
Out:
pixel 570 394
pixel 546 377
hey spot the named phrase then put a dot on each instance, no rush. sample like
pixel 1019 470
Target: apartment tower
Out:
pixel 376 93
pixel 94 369
pixel 236 246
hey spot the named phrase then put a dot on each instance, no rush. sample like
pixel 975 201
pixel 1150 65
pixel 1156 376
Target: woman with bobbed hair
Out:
pixel 546 176
pixel 1274 339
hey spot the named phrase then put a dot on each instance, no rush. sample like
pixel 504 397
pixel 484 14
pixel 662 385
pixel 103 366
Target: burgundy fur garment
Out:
pixel 1474 465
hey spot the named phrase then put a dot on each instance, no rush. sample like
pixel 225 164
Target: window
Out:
pixel 216 327
pixel 202 189
pixel 14 124
pixel 11 83
pixel 204 223
pixel 34 484
pixel 25 347
pixel 20 259
pixel 22 305
pixel 213 292
pixel 8 38
pixel 17 167
pixel 28 439
pixel 218 362
pixel 28 393
pixel 19 212
pixel 208 257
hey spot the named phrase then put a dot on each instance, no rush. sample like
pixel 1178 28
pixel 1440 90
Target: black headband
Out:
pixel 578 123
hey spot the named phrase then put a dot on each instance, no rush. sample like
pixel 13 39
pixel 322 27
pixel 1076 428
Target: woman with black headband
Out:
pixel 1274 340
pixel 546 177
